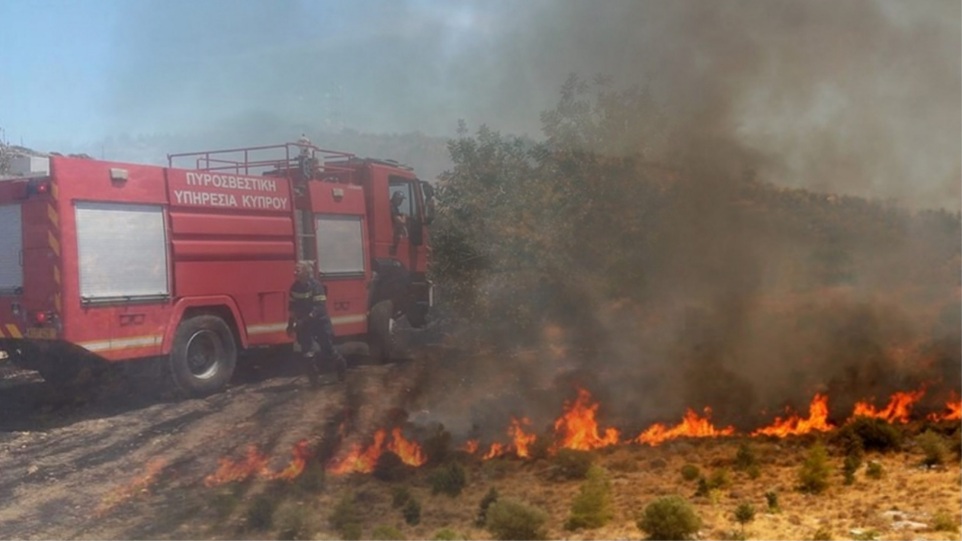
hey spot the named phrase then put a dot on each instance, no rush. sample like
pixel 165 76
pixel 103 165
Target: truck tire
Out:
pixel 380 326
pixel 203 357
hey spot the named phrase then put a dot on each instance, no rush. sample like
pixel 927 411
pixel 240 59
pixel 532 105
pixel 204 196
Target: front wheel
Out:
pixel 203 357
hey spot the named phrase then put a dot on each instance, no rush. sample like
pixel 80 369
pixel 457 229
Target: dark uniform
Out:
pixel 311 322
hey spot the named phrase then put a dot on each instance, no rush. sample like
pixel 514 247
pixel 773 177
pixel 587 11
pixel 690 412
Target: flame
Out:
pixel 897 409
pixel 692 426
pixel 409 452
pixel 578 429
pixel 302 454
pixel 953 407
pixel 793 425
pixel 470 446
pixel 360 461
pixel 496 450
pixel 522 440
pixel 137 485
pixel 253 463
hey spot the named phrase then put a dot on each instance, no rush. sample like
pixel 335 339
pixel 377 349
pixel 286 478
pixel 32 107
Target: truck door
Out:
pixel 406 220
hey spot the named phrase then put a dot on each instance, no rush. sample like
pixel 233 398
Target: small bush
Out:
pixel 744 514
pixel 849 467
pixel 690 472
pixel 822 534
pixel 509 519
pixel 814 472
pixel 875 434
pixel 592 507
pixel 754 471
pixel 942 521
pixel 745 457
pixel 437 446
pixel 719 479
pixel 703 489
pixel 411 512
pixel 669 517
pixel 386 533
pixel 571 464
pixel 400 496
pixel 389 468
pixel 867 535
pixel 874 470
pixel 934 448
pixel 311 480
pixel 260 514
pixel 771 497
pixel 448 479
pixel 293 521
pixel 486 501
pixel 347 517
pixel 447 534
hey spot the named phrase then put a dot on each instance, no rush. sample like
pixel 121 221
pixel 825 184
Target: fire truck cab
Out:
pixel 191 263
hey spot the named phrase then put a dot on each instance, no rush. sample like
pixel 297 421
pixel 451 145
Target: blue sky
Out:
pixel 859 97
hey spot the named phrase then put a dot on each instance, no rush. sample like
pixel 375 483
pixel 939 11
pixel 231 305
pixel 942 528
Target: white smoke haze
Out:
pixel 860 97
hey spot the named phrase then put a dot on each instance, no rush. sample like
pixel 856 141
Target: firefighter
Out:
pixel 311 323
pixel 398 220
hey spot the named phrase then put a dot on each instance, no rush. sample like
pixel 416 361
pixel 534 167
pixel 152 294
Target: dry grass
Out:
pixel 641 474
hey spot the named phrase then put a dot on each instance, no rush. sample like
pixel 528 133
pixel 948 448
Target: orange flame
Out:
pixel 692 426
pixel 302 454
pixel 522 440
pixel 578 429
pixel 470 446
pixel 360 461
pixel 137 485
pixel 253 463
pixel 496 450
pixel 409 452
pixel 898 408
pixel 794 425
pixel 953 407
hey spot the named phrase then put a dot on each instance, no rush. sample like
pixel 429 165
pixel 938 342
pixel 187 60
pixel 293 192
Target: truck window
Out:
pixel 408 207
pixel 11 248
pixel 122 251
pixel 340 246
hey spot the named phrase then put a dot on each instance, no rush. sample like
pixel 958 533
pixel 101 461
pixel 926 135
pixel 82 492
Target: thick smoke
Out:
pixel 859 98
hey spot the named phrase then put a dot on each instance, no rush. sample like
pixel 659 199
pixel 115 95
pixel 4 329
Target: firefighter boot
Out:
pixel 340 366
pixel 313 374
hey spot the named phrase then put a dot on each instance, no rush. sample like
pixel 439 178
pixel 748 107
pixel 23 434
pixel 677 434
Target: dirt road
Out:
pixel 122 463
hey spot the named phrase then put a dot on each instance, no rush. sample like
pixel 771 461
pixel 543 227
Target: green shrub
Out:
pixel 447 534
pixel 571 464
pixel 850 466
pixel 293 521
pixel 745 457
pixel 754 471
pixel 386 533
pixel 592 507
pixel 260 514
pixel 490 497
pixel 771 497
pixel 934 447
pixel 942 521
pixel 690 472
pixel 437 446
pixel 448 479
pixel 867 535
pixel 874 470
pixel 411 512
pixel 719 479
pixel 400 496
pixel 509 519
pixel 389 467
pixel 347 517
pixel 814 472
pixel 669 517
pixel 744 514
pixel 874 434
pixel 703 489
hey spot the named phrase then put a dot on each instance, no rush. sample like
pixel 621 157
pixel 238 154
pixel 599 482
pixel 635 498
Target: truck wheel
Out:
pixel 203 357
pixel 380 328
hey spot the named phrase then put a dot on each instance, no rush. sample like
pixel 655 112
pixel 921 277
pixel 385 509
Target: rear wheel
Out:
pixel 381 331
pixel 204 355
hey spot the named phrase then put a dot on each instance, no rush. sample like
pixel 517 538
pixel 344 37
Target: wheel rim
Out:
pixel 204 351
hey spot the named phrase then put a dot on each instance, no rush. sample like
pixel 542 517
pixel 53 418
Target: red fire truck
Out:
pixel 191 263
